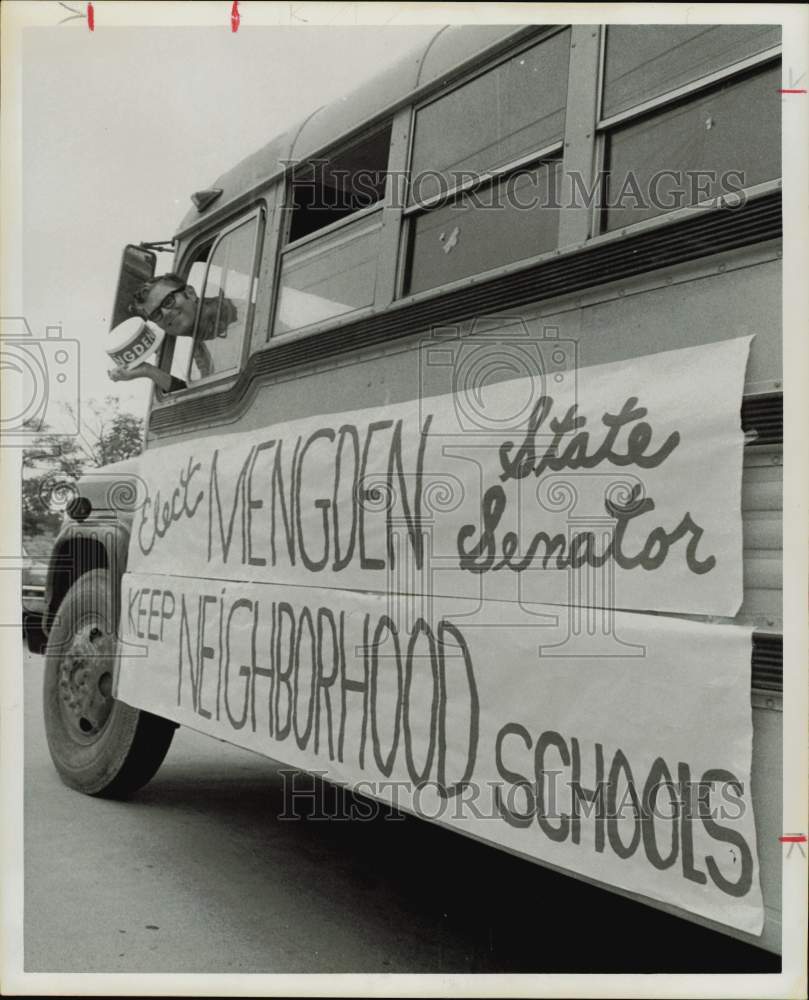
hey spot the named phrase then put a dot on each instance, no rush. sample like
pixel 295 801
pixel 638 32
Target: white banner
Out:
pixel 623 491
pixel 423 607
pixel 632 769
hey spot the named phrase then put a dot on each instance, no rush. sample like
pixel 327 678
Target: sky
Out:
pixel 121 125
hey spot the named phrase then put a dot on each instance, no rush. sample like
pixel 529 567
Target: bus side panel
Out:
pixel 735 295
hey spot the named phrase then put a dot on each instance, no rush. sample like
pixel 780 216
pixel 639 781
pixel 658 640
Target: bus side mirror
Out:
pixel 137 265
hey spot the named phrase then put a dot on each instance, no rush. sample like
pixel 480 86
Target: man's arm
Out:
pixel 164 380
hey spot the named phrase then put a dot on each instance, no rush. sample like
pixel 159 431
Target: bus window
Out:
pixel 732 132
pixel 327 190
pixel 707 137
pixel 507 113
pixel 329 276
pixel 509 220
pixel 182 356
pixel 493 148
pixel 645 61
pixel 225 303
pixel 328 273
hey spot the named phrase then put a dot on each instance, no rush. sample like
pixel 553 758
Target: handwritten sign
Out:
pixel 632 770
pixel 426 611
pixel 636 482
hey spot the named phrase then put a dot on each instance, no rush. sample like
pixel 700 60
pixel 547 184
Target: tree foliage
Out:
pixel 54 463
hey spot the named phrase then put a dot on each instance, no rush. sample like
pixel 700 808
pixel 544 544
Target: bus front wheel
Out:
pixel 99 745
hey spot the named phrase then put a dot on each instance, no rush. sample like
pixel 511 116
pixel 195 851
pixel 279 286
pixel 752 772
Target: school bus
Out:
pixel 556 202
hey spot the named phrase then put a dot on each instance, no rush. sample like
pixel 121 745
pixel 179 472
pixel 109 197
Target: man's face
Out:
pixel 172 308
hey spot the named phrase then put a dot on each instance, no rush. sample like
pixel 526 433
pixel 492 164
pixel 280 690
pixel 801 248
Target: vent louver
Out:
pixel 768 662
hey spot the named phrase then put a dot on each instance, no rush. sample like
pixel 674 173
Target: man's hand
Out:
pixel 161 379
pixel 125 374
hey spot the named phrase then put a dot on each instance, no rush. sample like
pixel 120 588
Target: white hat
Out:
pixel 133 341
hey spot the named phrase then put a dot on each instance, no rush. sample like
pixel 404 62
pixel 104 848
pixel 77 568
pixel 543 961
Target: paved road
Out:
pixel 197 873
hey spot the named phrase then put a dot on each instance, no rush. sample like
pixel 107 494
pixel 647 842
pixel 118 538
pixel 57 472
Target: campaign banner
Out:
pixel 630 767
pixel 622 491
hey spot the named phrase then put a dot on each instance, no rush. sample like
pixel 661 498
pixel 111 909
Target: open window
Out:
pixel 329 189
pixel 328 264
pixel 222 273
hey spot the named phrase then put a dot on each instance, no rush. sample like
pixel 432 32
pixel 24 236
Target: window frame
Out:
pixel 545 157
pixel 546 152
pixel 306 244
pixel 605 126
pixel 489 178
pixel 331 228
pixel 286 246
pixel 259 214
pixel 336 149
pixel 551 152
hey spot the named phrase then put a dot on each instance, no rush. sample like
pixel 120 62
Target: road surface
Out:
pixel 197 873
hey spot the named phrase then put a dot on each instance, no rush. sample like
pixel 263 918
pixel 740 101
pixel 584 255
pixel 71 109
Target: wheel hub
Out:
pixel 85 681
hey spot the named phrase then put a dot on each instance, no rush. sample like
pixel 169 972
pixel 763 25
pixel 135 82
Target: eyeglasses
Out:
pixel 168 303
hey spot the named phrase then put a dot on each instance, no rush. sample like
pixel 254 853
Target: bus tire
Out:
pixel 99 745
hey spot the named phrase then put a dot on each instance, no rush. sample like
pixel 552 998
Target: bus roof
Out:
pixel 427 65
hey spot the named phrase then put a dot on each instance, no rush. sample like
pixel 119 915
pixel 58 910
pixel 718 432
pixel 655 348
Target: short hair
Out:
pixel 136 306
